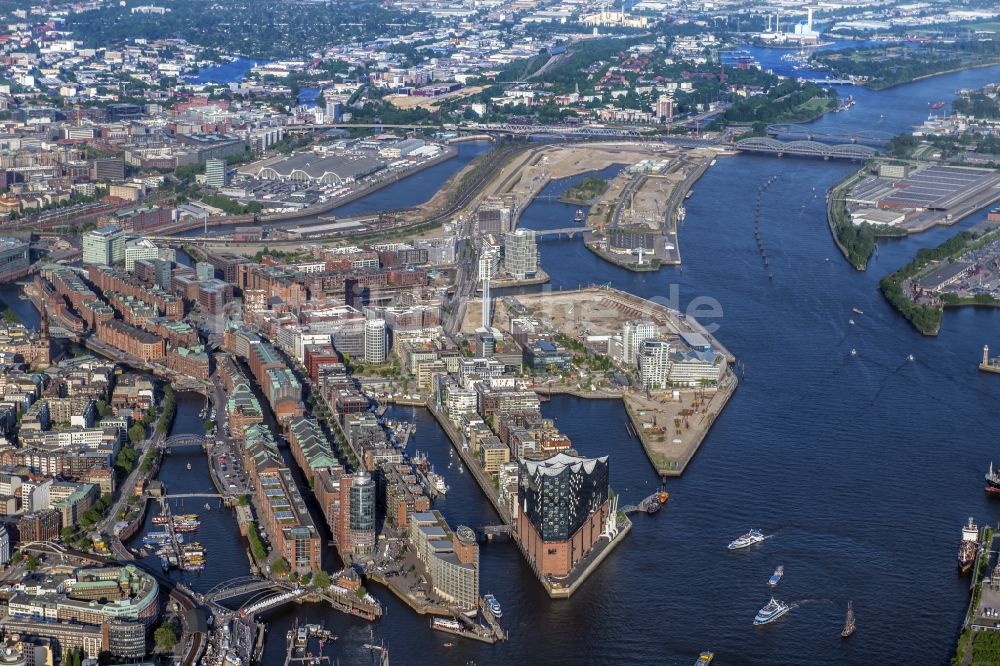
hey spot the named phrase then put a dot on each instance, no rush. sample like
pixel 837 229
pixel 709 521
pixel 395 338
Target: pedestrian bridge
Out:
pixel 239 587
pixel 271 602
pixel 843 151
pixel 180 441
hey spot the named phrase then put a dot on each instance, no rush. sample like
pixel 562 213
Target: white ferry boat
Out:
pixel 748 539
pixel 771 612
pixel 493 605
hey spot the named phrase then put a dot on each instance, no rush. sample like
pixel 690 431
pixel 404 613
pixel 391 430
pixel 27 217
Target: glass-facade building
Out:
pixel 559 494
pixel 363 498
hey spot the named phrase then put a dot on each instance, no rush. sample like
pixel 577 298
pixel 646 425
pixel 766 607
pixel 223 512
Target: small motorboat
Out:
pixel 776 576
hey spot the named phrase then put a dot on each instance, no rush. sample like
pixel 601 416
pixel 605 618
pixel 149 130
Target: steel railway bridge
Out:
pixel 843 151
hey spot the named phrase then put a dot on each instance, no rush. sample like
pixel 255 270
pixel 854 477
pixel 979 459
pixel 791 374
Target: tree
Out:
pixel 136 433
pixel 321 579
pixel 32 562
pixel 280 566
pixel 165 637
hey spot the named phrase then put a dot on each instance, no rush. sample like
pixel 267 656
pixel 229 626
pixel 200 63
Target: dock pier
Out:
pixel 479 635
pixel 498 631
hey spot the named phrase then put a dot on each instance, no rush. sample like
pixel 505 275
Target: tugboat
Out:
pixel 656 502
pixel 748 539
pixel 969 547
pixel 849 622
pixel 771 612
pixel 776 576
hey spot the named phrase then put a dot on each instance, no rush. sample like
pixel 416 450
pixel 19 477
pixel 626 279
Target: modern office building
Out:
pixel 4 546
pixel 105 245
pixel 138 250
pixel 561 509
pixel 376 341
pixel 204 270
pixel 450 558
pixel 521 254
pixel 543 355
pixel 15 257
pixel 215 173
pixel 110 169
pixel 348 503
pixel 363 498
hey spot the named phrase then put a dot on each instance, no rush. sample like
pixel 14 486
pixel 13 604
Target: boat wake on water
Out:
pixel 810 602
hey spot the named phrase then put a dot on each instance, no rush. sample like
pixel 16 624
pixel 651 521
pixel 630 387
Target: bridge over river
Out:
pixel 843 151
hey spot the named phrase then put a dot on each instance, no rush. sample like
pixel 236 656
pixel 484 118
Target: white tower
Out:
pixel 376 349
pixel 486 261
pixel 486 300
pixel 809 19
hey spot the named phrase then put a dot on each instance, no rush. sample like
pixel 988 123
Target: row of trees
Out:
pixel 885 67
pixel 230 206
pixel 257 548
pixel 169 410
pixel 127 457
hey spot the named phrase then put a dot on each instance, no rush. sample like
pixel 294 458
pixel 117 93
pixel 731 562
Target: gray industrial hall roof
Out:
pixel 347 166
